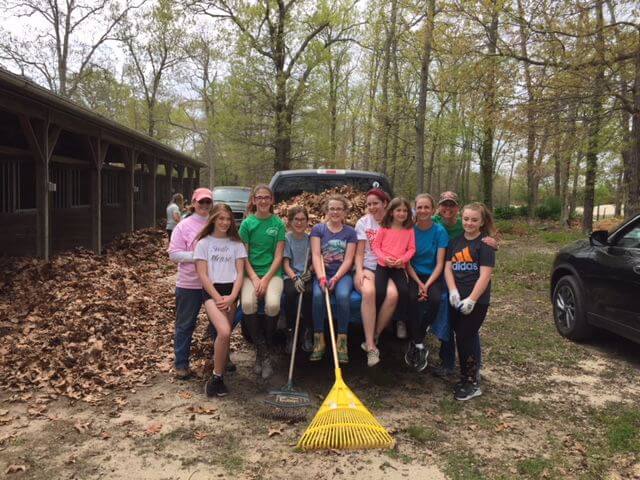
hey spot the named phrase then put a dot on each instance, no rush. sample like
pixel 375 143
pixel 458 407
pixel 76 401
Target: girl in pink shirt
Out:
pixel 395 245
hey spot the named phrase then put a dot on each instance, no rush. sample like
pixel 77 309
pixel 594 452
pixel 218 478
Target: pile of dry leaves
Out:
pixel 316 203
pixel 81 324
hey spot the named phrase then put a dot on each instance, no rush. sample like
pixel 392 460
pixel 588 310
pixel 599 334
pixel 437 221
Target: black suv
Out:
pixel 596 283
pixel 289 183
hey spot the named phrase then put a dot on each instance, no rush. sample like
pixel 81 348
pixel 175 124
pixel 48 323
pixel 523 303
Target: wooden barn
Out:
pixel 70 177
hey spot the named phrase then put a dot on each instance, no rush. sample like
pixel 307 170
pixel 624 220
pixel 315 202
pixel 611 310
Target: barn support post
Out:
pixel 189 187
pixel 42 137
pixel 131 157
pixel 153 195
pixel 181 172
pixel 98 151
pixel 198 179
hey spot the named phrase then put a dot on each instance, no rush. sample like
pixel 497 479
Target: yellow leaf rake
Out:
pixel 343 422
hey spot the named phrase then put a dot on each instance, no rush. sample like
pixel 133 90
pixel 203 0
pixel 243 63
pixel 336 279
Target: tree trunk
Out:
pixel 422 98
pixel 486 151
pixel 333 111
pixel 632 169
pixel 594 125
pixel 386 67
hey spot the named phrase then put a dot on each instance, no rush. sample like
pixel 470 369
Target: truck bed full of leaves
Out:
pixel 82 325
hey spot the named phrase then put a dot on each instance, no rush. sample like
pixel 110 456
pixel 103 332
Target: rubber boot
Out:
pixel 319 347
pixel 343 350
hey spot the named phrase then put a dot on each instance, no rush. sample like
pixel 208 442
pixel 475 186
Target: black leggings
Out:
pixel 291 304
pixel 466 328
pixel 401 280
pixel 422 313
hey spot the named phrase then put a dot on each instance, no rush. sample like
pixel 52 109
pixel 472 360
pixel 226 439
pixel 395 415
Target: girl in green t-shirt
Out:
pixel 264 236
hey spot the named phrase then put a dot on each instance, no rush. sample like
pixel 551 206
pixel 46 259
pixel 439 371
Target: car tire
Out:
pixel 569 310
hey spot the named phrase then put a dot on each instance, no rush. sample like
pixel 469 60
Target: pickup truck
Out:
pixel 289 183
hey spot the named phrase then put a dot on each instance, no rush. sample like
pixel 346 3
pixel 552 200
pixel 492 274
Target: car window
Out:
pixel 291 186
pixel 631 239
pixel 231 195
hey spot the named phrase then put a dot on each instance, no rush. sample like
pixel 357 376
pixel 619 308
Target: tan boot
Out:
pixel 343 351
pixel 319 347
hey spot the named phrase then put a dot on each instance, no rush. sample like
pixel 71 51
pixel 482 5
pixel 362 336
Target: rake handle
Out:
pixel 331 329
pixel 296 329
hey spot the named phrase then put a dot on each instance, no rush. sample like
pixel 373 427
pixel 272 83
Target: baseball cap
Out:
pixel 200 193
pixel 448 197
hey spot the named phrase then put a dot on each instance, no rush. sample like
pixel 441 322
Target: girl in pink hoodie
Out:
pixel 394 245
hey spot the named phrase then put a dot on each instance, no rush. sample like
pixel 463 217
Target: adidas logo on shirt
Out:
pixel 464 262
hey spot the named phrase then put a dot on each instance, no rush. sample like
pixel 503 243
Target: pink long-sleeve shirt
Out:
pixel 183 243
pixel 390 242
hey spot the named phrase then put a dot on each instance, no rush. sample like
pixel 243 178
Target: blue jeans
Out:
pixel 448 352
pixel 188 303
pixel 342 294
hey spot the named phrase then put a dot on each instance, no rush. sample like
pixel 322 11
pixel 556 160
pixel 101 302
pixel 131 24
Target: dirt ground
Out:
pixel 550 409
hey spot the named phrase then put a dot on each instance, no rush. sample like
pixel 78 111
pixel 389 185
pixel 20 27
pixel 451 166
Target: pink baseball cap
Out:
pixel 200 193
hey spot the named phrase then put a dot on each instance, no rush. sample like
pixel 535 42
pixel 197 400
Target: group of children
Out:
pixel 400 259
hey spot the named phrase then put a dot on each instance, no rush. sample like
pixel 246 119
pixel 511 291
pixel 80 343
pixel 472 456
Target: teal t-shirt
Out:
pixel 455 231
pixel 262 235
pixel 427 244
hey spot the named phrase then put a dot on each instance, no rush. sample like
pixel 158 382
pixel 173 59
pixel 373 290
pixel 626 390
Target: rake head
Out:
pixel 344 423
pixel 287 404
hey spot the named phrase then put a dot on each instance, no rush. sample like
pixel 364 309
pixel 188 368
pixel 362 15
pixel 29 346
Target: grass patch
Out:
pixel 396 455
pixel 422 434
pixel 449 406
pixel 562 237
pixel 523 407
pixel 535 467
pixel 623 430
pixel 463 467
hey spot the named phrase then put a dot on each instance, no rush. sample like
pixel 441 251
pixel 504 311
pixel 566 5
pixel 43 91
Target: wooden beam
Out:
pixel 98 152
pixel 98 149
pixel 42 137
pixel 153 167
pixel 131 159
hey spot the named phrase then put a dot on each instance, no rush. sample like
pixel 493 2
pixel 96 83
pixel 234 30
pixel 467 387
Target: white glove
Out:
pixel 454 298
pixel 299 284
pixel 306 276
pixel 466 306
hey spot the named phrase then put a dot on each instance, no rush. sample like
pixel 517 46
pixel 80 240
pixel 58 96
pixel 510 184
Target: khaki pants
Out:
pixel 249 299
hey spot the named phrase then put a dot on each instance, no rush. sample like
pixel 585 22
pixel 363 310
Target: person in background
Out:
pixel 375 318
pixel 470 264
pixel 174 211
pixel 425 271
pixel 219 256
pixel 188 286
pixel 263 234
pixel 297 271
pixel 448 216
pixel 394 247
pixel 333 246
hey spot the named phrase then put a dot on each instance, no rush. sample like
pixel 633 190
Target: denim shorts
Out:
pixel 222 288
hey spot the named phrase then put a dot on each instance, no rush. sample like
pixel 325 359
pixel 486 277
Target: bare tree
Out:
pixel 287 35
pixel 63 51
pixel 155 45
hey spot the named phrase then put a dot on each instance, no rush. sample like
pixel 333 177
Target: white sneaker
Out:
pixel 267 368
pixel 373 357
pixel 401 330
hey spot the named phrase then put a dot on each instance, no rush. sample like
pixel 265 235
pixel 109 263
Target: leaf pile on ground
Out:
pixel 315 204
pixel 82 325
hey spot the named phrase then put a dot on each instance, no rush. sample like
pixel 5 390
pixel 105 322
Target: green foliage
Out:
pixel 550 209
pixel 509 211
